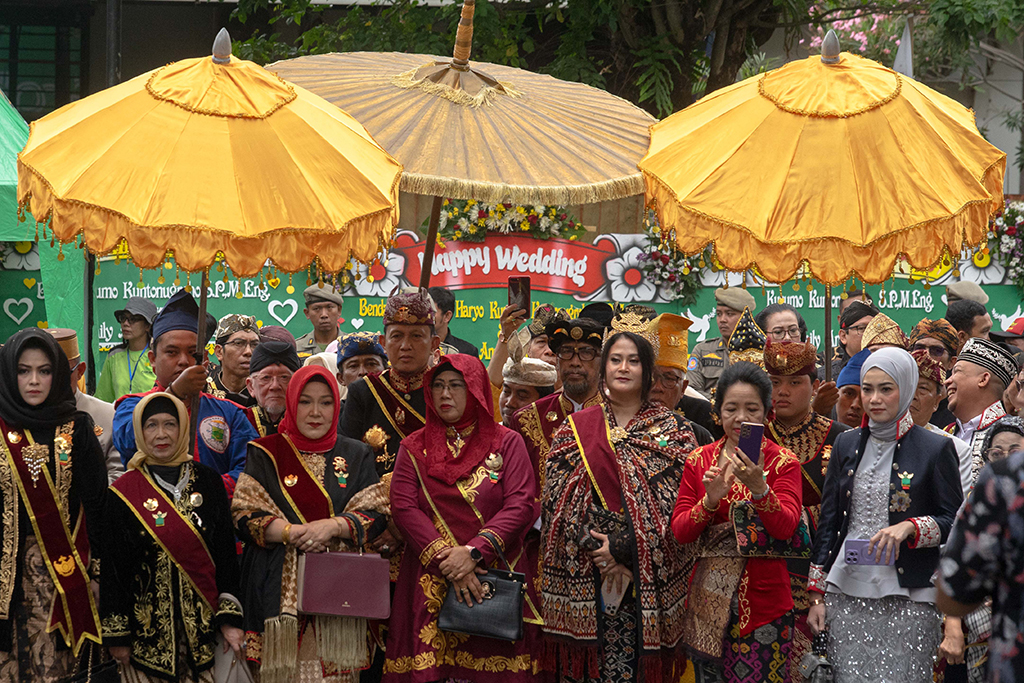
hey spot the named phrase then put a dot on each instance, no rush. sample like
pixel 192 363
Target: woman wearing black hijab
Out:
pixel 52 487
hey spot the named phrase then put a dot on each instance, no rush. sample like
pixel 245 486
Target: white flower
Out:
pixel 981 268
pixel 24 256
pixel 387 274
pixel 626 279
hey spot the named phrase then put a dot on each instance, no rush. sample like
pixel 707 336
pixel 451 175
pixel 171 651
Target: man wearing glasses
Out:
pixel 939 340
pixel 576 344
pixel 270 369
pixel 669 379
pixel 236 338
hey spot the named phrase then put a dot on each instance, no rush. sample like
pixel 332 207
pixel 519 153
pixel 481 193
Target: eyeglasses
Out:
pixel 996 453
pixel 586 353
pixel 242 344
pixel 267 380
pixel 780 333
pixel 935 352
pixel 452 387
pixel 859 329
pixel 668 381
pixel 130 319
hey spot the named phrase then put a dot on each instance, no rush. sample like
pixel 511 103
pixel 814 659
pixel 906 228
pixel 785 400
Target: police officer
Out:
pixel 710 357
pixel 323 308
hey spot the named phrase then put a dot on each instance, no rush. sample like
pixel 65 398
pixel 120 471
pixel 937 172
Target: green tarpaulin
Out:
pixel 63 281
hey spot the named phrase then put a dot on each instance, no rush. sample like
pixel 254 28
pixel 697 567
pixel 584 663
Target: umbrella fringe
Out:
pixel 457 188
pixel 408 81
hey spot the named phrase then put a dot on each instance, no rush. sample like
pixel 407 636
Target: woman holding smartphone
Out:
pixel 891 494
pixel 739 623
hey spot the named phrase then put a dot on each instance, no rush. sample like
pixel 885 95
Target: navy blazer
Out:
pixel 934 491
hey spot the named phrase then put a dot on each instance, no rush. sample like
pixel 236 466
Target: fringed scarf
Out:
pixel 341 641
pixel 649 459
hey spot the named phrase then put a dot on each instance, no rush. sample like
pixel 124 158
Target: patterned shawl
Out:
pixel 649 460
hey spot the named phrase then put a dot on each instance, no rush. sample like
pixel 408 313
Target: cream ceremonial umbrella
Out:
pixel 470 130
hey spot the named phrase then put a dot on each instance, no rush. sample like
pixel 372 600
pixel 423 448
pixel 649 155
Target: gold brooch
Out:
pixel 493 462
pixel 400 416
pixel 900 502
pixel 618 434
pixel 375 437
pixel 64 565
pixel 63 447
pixel 14 437
pixel 291 480
pixel 35 457
pixel 97 430
pixel 196 499
pixel 160 517
pixel 576 333
pixel 551 416
pixel 151 504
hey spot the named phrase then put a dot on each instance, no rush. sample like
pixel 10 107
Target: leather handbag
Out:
pixel 752 540
pixel 500 615
pixel 345 584
pixel 814 666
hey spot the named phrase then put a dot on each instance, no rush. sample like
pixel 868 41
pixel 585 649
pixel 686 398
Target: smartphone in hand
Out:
pixel 519 293
pixel 751 434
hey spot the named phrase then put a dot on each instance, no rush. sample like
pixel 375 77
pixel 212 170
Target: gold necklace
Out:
pixel 455 447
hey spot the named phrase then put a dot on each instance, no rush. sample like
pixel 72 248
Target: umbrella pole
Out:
pixel 200 357
pixel 428 248
pixel 828 333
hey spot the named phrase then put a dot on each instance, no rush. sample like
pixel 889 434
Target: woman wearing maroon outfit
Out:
pixel 739 623
pixel 460 476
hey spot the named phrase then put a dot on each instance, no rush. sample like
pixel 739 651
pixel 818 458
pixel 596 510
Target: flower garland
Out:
pixel 467 220
pixel 1008 231
pixel 676 275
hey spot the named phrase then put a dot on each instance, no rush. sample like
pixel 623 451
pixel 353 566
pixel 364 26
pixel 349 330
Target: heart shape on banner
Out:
pixel 274 305
pixel 357 322
pixel 10 303
pixel 273 282
pixel 29 282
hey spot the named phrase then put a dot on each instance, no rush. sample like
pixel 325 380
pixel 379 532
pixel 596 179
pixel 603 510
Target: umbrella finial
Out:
pixel 830 48
pixel 222 47
pixel 464 37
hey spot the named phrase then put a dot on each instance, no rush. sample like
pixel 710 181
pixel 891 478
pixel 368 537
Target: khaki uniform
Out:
pixel 306 345
pixel 708 360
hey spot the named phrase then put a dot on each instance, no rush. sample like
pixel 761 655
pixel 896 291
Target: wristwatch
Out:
pixel 475 554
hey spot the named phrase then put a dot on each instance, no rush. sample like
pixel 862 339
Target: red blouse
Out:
pixel 764 591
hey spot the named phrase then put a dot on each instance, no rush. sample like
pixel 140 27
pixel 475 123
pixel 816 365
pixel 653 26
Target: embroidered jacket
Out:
pixel 148 602
pixel 925 490
pixel 380 411
pixel 221 437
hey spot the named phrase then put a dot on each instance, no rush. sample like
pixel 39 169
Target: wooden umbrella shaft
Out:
pixel 828 333
pixel 200 358
pixel 464 35
pixel 428 248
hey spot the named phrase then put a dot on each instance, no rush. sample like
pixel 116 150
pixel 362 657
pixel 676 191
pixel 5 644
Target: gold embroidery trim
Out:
pixel 9 542
pixel 432 549
pixel 115 625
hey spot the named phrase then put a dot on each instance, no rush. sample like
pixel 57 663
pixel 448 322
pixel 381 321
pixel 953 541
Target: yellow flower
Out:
pixel 521 210
pixel 524 226
pixel 458 234
pixel 445 203
pixel 572 238
pixel 470 202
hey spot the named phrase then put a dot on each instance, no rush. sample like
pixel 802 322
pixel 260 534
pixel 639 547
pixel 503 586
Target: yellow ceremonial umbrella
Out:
pixel 471 130
pixel 835 164
pixel 212 158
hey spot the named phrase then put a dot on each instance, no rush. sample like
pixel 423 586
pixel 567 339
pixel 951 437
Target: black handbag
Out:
pixel 814 666
pixel 500 615
pixel 93 672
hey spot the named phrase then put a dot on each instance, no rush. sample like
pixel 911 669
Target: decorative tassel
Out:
pixel 290 288
pixel 342 642
pixel 280 649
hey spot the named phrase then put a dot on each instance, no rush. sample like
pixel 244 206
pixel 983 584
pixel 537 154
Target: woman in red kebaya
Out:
pixel 739 623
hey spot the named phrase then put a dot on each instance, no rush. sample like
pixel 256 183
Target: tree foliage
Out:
pixel 661 54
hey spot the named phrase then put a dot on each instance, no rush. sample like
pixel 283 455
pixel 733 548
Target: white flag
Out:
pixel 904 62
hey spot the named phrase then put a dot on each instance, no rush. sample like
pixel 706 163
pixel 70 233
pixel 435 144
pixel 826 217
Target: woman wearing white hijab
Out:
pixel 891 494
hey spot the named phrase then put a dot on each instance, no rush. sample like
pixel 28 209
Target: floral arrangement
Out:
pixel 1007 232
pixel 676 275
pixel 467 220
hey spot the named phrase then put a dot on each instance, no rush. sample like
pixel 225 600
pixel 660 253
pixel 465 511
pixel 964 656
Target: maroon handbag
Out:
pixel 345 584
